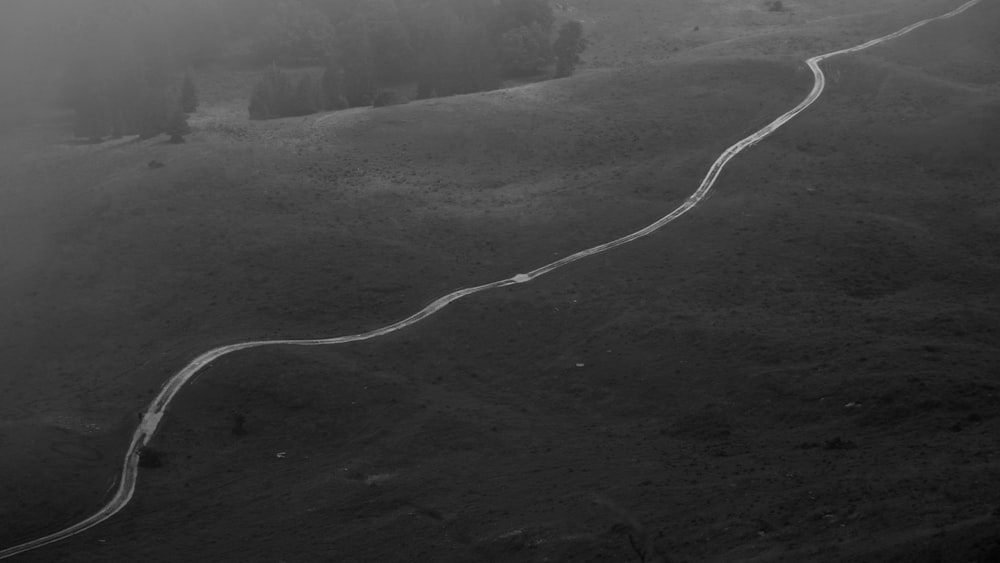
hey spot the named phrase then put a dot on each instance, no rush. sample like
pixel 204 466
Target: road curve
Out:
pixel 154 413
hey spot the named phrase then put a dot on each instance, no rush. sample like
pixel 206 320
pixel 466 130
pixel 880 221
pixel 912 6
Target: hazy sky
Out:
pixel 33 39
pixel 29 43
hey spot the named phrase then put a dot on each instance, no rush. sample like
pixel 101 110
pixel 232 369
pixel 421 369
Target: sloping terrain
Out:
pixel 802 369
pixel 318 227
pixel 638 32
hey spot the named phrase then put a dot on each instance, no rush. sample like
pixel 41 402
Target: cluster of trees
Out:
pixel 445 47
pixel 278 95
pixel 122 69
pixel 136 101
pixel 124 59
pixel 568 48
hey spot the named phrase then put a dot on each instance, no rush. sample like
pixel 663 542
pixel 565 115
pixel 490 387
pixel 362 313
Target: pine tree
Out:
pixel 189 94
pixel 260 102
pixel 568 47
pixel 176 125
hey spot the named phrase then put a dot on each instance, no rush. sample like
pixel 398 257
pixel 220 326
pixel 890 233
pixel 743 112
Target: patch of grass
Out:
pixel 150 458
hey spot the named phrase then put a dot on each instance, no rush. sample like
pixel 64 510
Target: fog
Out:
pixel 499 280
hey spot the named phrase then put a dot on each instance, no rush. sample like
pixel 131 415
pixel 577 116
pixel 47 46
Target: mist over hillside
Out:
pixel 115 63
pixel 499 280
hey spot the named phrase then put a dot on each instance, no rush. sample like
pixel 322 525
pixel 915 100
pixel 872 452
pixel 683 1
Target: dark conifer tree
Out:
pixel 176 124
pixel 568 47
pixel 260 102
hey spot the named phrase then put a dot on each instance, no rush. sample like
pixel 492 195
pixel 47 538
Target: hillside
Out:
pixel 643 31
pixel 329 226
pixel 801 369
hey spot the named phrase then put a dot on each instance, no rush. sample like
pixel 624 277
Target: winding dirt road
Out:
pixel 154 413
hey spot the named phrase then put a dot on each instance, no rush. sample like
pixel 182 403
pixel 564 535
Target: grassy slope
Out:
pixel 295 229
pixel 644 31
pixel 709 352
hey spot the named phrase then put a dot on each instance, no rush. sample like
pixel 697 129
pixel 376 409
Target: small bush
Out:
pixel 774 6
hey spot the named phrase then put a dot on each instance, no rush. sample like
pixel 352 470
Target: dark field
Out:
pixel 804 368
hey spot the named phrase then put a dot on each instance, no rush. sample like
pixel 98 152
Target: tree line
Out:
pixel 366 47
pixel 124 66
pixel 125 60
pixel 132 103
